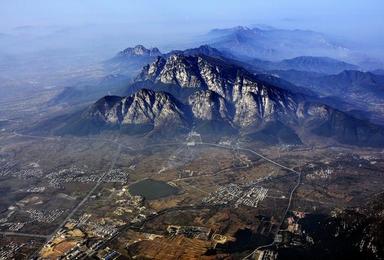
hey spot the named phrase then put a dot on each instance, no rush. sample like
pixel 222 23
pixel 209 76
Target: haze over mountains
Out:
pixel 306 63
pixel 50 45
pixel 241 81
pixel 274 44
pixel 358 90
pixel 130 60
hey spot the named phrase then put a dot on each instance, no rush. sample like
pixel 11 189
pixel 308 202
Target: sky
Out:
pixel 156 22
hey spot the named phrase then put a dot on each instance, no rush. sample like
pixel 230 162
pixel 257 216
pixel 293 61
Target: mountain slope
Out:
pixel 353 233
pixel 88 91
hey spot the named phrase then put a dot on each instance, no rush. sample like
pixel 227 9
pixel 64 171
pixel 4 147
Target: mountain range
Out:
pixel 177 93
pixel 354 90
pixel 269 43
pixel 306 63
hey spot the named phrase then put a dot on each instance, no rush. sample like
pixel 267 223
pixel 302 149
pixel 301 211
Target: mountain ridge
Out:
pixel 324 65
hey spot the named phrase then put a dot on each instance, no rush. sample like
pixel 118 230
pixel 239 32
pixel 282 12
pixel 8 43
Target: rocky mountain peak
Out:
pixel 222 91
pixel 140 50
pixel 145 107
pixel 177 69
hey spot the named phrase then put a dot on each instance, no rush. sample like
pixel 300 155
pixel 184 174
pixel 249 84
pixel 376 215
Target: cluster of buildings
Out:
pixel 252 197
pixel 196 232
pixel 46 216
pixel 320 174
pixel 11 169
pixel 237 195
pixel 116 175
pixel 202 233
pixel 79 239
pixel 8 251
pixel 57 178
pixel 186 173
pixel 293 235
pixel 13 226
pixel 193 138
pixel 33 215
pixel 88 235
pixel 36 189
pixel 266 255
pixel 68 175
pixel 74 174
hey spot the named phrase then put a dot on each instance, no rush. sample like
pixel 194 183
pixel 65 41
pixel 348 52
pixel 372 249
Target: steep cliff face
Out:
pixel 177 69
pixel 250 100
pixel 208 105
pixel 145 107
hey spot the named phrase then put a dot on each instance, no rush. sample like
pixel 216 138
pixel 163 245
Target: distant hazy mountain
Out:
pixel 139 51
pixel 222 98
pixel 378 72
pixel 124 66
pixel 90 90
pixel 348 82
pixel 352 80
pixel 274 44
pixel 130 60
pixel 361 90
pixel 201 50
pixel 306 63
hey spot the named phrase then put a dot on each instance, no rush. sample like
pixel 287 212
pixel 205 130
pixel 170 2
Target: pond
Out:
pixel 152 189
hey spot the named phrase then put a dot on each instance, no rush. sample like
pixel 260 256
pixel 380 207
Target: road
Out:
pixel 251 151
pixel 18 234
